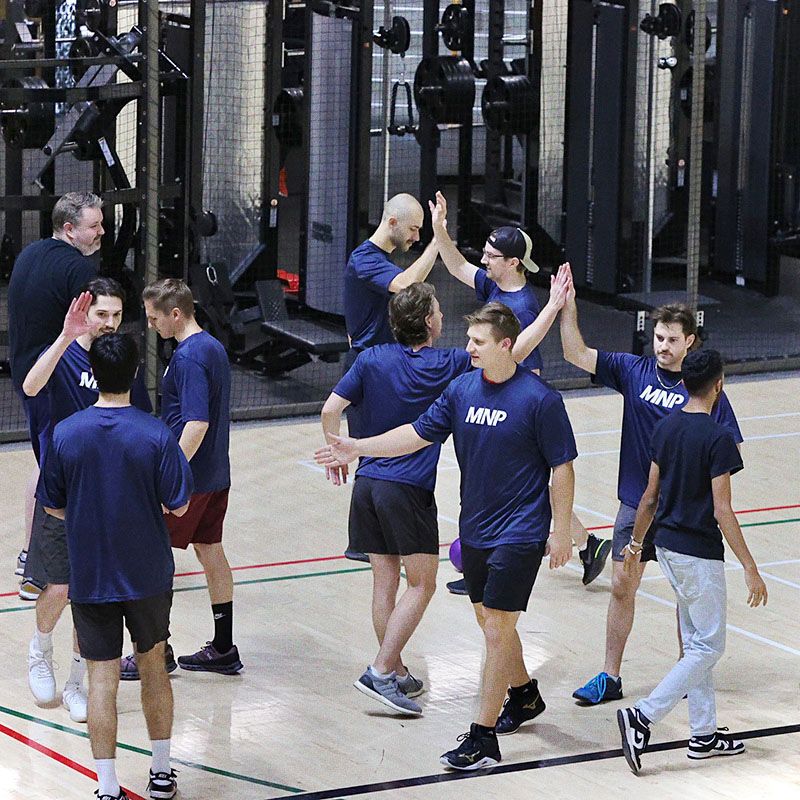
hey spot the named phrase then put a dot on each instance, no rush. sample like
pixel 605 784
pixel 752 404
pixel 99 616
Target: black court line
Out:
pixel 523 766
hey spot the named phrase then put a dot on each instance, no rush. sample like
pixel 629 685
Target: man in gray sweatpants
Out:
pixel 689 494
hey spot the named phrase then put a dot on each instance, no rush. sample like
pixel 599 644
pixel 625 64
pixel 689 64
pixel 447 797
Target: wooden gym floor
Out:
pixel 292 723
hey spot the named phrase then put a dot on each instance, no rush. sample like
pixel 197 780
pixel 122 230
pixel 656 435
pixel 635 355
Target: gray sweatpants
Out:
pixel 699 585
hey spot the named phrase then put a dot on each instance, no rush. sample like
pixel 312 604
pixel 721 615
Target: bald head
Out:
pixel 401 222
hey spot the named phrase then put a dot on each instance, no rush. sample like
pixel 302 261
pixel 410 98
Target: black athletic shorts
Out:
pixel 623 530
pixel 390 518
pixel 48 560
pixel 99 625
pixel 502 577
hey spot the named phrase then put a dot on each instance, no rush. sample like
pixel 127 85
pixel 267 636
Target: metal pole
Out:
pixel 696 155
pixel 647 256
pixel 386 140
pixel 148 177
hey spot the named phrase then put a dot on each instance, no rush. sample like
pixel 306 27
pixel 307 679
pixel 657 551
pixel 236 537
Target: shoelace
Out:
pixel 598 683
pixel 43 669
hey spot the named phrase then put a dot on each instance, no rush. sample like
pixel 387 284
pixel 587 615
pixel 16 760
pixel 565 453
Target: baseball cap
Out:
pixel 514 243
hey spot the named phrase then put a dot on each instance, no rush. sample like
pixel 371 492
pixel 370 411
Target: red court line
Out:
pixel 56 756
pixel 444 544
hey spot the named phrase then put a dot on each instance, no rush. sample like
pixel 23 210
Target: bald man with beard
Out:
pixel 370 277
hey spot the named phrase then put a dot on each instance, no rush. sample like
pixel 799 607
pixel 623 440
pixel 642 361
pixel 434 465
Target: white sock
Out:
pixel 107 782
pixel 160 755
pixel 42 641
pixel 77 670
pixel 376 674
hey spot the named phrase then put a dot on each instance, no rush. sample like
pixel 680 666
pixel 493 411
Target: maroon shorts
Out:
pixel 202 522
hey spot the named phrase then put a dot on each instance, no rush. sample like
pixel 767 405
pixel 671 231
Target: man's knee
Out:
pixel 499 626
pixel 208 553
pixel 624 585
pixel 55 594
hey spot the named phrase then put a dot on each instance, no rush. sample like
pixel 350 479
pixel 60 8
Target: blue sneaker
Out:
pixel 599 689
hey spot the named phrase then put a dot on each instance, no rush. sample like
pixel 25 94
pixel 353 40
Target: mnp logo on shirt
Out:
pixel 485 416
pixel 661 397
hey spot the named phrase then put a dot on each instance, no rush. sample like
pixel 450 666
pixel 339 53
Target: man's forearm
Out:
pixel 192 437
pixel 43 369
pixel 449 253
pixel 420 269
pixel 562 498
pixel 644 518
pixel 396 442
pixel 732 532
pixel 531 336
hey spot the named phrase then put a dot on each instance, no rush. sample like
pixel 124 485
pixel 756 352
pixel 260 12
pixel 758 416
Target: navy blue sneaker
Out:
pixel 518 709
pixel 356 555
pixel 457 587
pixel 599 689
pixel 476 751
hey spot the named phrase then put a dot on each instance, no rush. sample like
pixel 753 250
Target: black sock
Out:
pixel 526 689
pixel 482 730
pixel 223 626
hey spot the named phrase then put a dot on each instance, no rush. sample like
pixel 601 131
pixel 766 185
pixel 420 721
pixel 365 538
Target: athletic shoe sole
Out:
pixel 713 753
pixel 486 761
pixel 627 749
pixel 381 699
pixel 228 669
pixel 163 794
pixel 540 707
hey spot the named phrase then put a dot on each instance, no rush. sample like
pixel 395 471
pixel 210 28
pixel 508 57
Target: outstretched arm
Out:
pixel 331 423
pixel 76 323
pixel 456 264
pixel 396 442
pixel 418 271
pixel 531 336
pixel 575 349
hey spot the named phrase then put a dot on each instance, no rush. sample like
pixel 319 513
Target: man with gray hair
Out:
pixel 47 275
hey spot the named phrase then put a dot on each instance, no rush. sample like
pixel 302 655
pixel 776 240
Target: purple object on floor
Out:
pixel 455 555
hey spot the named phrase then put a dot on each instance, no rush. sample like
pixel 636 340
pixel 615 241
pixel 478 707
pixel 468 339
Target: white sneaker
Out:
pixel 75 701
pixel 22 560
pixel 40 674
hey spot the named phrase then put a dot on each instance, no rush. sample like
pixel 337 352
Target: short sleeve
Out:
pixel 436 424
pixel 52 491
pixel 191 381
pixel 483 285
pixel 375 271
pixel 350 386
pixel 175 483
pixel 723 414
pixel 554 433
pixel 613 369
pixel 724 456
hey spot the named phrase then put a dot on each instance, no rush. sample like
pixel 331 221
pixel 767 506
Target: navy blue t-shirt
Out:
pixel 523 303
pixel 112 468
pixel 507 437
pixel 366 296
pixel 649 395
pixel 47 275
pixel 691 450
pixel 392 385
pixel 197 387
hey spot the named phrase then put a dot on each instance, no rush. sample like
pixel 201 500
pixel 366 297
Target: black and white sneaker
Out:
pixel 717 744
pixel 120 796
pixel 162 785
pixel 635 735
pixel 476 751
pixel 519 708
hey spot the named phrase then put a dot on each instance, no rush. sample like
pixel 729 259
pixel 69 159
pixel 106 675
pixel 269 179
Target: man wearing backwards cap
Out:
pixel 506 256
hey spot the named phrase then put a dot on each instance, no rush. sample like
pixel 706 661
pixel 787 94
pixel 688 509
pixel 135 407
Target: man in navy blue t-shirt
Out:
pixel 108 472
pixel 652 388
pixel 511 432
pixel 507 257
pixel 689 495
pixel 64 374
pixel 47 275
pixel 195 404
pixel 392 509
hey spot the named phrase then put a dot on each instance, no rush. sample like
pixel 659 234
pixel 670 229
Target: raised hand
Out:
pixel 76 322
pixel 559 286
pixel 438 212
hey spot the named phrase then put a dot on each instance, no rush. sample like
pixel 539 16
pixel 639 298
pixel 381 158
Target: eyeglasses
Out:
pixel 490 256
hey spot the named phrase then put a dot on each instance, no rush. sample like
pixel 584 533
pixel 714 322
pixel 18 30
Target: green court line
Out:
pixel 131 748
pixel 342 571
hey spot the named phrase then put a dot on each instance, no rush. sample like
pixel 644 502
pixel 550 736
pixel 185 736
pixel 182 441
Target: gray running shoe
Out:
pixel 410 686
pixel 386 691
